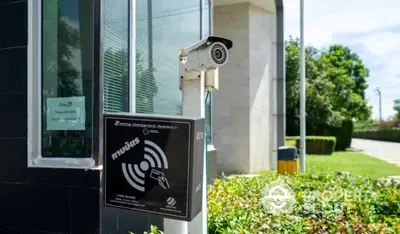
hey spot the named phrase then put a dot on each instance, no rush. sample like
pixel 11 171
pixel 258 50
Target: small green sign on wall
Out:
pixel 66 113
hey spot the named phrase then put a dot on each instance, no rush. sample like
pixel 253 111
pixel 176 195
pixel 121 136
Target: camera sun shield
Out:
pixel 207 54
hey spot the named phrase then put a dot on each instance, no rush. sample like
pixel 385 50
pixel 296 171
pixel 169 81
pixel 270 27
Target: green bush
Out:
pixel 290 143
pixel 343 135
pixel 153 230
pixel 381 134
pixel 323 204
pixel 322 145
pixel 365 124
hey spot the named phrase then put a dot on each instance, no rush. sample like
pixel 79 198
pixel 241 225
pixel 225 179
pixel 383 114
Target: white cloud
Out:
pixel 381 44
pixel 325 18
pixel 366 26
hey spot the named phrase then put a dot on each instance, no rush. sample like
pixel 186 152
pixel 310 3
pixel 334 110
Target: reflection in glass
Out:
pixel 162 29
pixel 116 50
pixel 206 18
pixel 67 42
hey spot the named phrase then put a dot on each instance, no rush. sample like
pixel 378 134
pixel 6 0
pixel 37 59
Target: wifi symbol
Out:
pixel 138 177
pixel 157 158
pixel 154 157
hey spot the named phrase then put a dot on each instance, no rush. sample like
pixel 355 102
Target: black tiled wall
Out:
pixel 34 200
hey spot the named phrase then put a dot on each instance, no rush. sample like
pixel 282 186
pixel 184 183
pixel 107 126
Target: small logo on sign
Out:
pixel 118 123
pixel 171 201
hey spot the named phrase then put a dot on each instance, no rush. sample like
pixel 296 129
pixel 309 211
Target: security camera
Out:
pixel 207 54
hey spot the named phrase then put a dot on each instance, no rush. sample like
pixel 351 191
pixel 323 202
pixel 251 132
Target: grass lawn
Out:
pixel 353 162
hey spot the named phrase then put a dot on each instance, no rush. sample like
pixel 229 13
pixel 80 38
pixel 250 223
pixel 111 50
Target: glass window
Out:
pixel 67 67
pixel 116 59
pixel 162 29
pixel 67 71
pixel 206 18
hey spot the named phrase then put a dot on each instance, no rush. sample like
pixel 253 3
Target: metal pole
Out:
pixel 170 226
pixel 302 92
pixel 378 90
pixel 380 106
pixel 150 45
pixel 281 86
pixel 150 33
pixel 193 104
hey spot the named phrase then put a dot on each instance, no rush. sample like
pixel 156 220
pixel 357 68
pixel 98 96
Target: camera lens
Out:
pixel 218 54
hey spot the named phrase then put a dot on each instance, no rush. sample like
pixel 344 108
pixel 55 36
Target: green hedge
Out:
pixel 323 204
pixel 343 135
pixel 322 145
pixel 382 134
pixel 153 230
pixel 290 142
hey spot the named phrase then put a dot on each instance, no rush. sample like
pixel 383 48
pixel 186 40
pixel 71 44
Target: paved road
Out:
pixel 387 151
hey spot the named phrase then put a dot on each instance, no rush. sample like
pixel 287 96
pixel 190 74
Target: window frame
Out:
pixel 211 28
pixel 34 89
pixel 34 86
pixel 203 34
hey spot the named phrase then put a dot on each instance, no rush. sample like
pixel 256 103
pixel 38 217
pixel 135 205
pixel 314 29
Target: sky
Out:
pixel 371 28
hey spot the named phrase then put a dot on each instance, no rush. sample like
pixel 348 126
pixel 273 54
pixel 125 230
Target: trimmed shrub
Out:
pixel 153 230
pixel 324 203
pixel 290 143
pixel 343 135
pixel 382 134
pixel 322 145
pixel 366 124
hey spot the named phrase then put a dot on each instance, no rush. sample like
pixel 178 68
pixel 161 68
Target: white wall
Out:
pixel 244 126
pixel 231 102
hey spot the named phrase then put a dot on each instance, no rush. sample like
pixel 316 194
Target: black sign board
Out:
pixel 154 164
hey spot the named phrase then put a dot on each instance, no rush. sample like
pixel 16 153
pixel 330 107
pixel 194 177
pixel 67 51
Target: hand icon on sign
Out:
pixel 163 182
pixel 159 176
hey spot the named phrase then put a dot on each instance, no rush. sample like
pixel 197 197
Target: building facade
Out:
pixel 100 56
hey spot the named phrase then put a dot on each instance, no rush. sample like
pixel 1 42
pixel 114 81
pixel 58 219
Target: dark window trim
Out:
pixel 98 81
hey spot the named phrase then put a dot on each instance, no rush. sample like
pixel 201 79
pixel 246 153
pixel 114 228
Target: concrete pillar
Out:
pixel 244 107
pixel 274 125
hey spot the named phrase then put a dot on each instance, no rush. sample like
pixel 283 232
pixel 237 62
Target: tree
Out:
pixel 146 87
pixel 116 80
pixel 68 39
pixel 397 108
pixel 334 89
pixel 318 91
pixel 58 54
pixel 347 72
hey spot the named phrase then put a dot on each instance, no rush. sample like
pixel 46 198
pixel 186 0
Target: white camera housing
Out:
pixel 211 80
pixel 206 55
